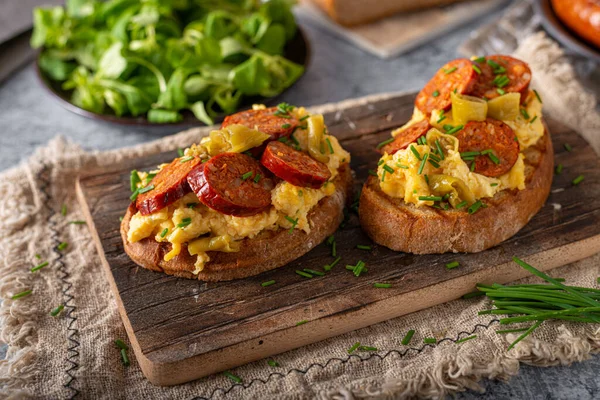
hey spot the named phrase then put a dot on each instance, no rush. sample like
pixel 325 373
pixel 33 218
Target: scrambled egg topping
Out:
pixel 405 181
pixel 210 230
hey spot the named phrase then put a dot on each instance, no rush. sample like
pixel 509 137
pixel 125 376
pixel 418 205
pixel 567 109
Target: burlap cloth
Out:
pixel 74 354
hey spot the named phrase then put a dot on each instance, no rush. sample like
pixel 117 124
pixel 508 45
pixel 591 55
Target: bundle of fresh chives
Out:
pixel 541 302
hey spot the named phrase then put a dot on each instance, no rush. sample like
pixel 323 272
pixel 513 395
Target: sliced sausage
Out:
pixel 406 137
pixel 169 185
pixel 294 166
pixel 496 66
pixel 435 95
pixel 228 183
pixel 479 136
pixel 266 121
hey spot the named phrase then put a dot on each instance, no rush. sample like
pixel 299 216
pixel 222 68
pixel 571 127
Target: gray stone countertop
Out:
pixel 29 118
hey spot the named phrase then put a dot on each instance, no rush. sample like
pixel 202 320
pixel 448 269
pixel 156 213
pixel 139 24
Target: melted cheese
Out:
pixel 288 202
pixel 406 183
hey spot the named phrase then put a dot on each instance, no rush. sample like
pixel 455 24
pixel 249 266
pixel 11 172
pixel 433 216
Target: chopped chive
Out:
pixel 402 166
pixel 371 172
pixel 568 147
pixel 470 153
pixel 472 167
pixel 415 152
pixel 191 205
pixel 443 117
pixel 38 256
pixel 124 357
pixel 465 339
pixel 121 344
pixel 383 175
pixel 268 283
pixel 388 169
pixel 434 164
pixel 447 127
pixel 134 195
pixel 430 198
pixel 180 152
pixel 494 184
pixel 164 232
pixel 134 179
pixel 21 294
pixel 440 150
pixel 330 240
pixel 304 274
pixel 273 363
pixel 476 206
pixel 493 63
pixel 511 330
pixel 408 337
pixel 500 91
pixel 333 264
pixel 578 180
pixel 367 348
pixel 359 268
pixel 329 145
pixel 380 145
pixel 145 189
pixel 423 163
pixel 292 221
pixel 313 272
pixel 247 175
pixel 435 93
pixel 476 69
pixel 62 246
pixel 479 59
pixel 63 210
pixel 486 151
pixel 257 178
pixel 451 70
pixel 77 222
pixel 186 159
pixel 454 130
pixel 286 126
pixel 524 113
pixel 533 119
pixel 301 322
pixel 184 222
pixel 452 264
pixel 121 219
pixel 354 347
pixel 233 377
pixel 429 340
pixel 55 311
pixel 40 266
pixel 363 247
pixel 382 285
pixel 494 159
pixel 380 162
pixel 537 95
pixel 304 117
pixel 559 169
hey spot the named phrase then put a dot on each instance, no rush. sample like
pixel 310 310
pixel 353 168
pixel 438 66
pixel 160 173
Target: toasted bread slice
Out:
pixel 268 250
pixel 426 230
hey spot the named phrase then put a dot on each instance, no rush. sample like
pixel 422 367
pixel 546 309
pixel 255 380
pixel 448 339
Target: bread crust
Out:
pixel 425 230
pixel 266 251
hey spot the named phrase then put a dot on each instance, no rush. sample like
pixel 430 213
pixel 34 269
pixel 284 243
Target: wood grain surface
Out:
pixel 184 329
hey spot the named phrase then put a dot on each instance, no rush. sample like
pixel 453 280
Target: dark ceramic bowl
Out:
pixel 297 50
pixel 563 34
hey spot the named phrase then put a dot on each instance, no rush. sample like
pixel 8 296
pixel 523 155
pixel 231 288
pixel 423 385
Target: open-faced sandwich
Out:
pixel 470 168
pixel 267 187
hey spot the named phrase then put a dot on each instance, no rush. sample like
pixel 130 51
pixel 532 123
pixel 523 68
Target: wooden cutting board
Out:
pixel 183 329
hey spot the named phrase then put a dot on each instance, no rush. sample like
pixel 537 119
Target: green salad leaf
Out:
pixel 160 57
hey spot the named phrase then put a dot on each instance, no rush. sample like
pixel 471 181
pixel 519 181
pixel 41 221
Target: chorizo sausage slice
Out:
pixel 494 135
pixel 233 184
pixel 267 121
pixel 168 186
pixel 294 166
pixel 457 75
pixel 495 67
pixel 406 137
